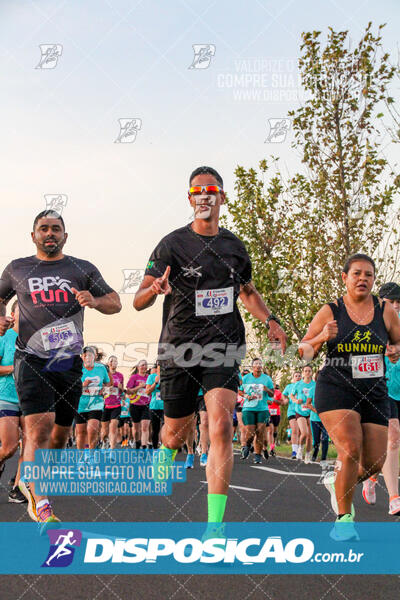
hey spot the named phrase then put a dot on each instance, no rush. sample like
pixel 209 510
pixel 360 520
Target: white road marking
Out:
pixel 239 487
pixel 288 472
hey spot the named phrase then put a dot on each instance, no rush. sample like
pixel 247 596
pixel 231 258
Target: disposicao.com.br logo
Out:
pixel 62 547
pixel 192 550
pixel 200 548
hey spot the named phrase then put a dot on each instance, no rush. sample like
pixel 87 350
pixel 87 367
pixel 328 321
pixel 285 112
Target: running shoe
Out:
pixel 308 457
pixel 272 452
pixel 344 529
pixel 16 496
pixel 24 487
pixel 203 460
pixel 45 514
pixel 394 506
pixel 299 453
pixel 214 530
pixel 266 455
pixel 368 490
pixel 189 461
pixel 257 459
pixel 162 461
pixel 294 455
pixel 329 483
pixel 245 451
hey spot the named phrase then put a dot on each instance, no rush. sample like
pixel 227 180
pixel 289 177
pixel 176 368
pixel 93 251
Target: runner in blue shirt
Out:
pixel 257 387
pixel 11 419
pixel 156 405
pixel 391 293
pixel 319 433
pixel 303 390
pixel 91 403
pixel 124 421
pixel 291 412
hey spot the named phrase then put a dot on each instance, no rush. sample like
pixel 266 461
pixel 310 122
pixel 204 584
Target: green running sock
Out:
pixel 162 461
pixel 216 507
pixel 169 454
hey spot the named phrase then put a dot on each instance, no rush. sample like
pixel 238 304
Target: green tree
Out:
pixel 299 231
pixel 351 184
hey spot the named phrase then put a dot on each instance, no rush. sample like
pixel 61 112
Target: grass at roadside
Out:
pixel 286 450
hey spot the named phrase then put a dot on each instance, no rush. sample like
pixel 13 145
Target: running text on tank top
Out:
pixel 355 358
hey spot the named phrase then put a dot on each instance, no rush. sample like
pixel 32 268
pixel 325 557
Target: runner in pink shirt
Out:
pixel 139 407
pixel 112 405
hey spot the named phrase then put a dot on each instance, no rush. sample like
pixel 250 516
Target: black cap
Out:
pixel 390 290
pixel 89 349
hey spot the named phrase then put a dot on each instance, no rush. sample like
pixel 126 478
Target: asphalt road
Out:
pixel 282 490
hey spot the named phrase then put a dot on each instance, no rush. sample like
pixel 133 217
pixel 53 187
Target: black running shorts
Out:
pixel 86 416
pixel 275 420
pixel 139 413
pixel 110 413
pixel 394 408
pixel 41 390
pixel 333 397
pixel 180 386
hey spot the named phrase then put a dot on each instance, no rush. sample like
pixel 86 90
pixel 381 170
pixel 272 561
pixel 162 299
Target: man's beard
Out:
pixel 51 250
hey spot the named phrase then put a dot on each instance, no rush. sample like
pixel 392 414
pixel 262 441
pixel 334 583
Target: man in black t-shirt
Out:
pixel 202 270
pixel 52 291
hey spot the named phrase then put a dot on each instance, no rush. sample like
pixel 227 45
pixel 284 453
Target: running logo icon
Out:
pixel 56 202
pixel 50 54
pixel 62 547
pixel 278 130
pixel 128 129
pixel 203 54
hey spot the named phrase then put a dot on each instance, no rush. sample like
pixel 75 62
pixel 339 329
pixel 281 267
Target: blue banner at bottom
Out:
pixel 199 548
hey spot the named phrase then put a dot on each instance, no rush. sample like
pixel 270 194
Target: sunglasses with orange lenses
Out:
pixel 200 189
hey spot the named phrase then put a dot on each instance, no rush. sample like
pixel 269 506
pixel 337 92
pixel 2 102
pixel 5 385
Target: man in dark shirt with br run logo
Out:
pixel 202 270
pixel 52 291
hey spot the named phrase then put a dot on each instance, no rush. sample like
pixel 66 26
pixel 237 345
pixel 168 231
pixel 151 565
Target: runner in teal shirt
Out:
pixel 94 378
pixel 390 293
pixel 11 419
pixel 156 403
pixel 319 433
pixel 256 396
pixel 8 393
pixel 291 413
pixel 291 409
pixel 91 403
pixel 156 406
pixel 257 387
pixel 125 403
pixel 393 379
pixel 304 389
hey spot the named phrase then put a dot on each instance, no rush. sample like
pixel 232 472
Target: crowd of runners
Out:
pixel 56 392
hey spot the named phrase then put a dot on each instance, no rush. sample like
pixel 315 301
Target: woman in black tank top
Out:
pixel 351 394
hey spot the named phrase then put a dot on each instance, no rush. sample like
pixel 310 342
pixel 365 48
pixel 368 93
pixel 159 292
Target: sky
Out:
pixel 131 60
